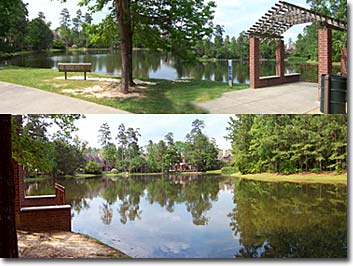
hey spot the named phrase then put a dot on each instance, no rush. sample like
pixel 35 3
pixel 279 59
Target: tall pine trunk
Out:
pixel 8 237
pixel 124 20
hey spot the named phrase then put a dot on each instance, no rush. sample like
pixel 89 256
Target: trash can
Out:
pixel 337 94
pixel 322 98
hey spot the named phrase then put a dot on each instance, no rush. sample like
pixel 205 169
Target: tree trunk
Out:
pixel 8 237
pixel 124 20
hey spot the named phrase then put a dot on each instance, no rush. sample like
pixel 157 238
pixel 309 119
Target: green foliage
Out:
pixel 39 36
pixel 200 151
pixel 13 22
pixel 288 144
pixel 93 168
pixel 228 170
pixel 307 44
pixel 33 148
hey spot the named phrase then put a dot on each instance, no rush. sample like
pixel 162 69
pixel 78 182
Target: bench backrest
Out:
pixel 82 67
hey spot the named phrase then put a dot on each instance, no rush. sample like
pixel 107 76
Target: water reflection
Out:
pixel 149 64
pixel 208 216
pixel 288 220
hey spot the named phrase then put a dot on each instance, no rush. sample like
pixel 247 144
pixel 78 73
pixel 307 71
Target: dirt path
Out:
pixel 63 245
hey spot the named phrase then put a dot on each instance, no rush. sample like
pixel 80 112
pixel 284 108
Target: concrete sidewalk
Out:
pixel 16 99
pixel 294 98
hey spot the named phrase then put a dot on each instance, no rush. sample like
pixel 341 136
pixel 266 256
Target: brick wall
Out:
pixel 280 78
pixel 18 174
pixel 344 62
pixel 325 54
pixel 39 201
pixel 46 220
pixel 49 219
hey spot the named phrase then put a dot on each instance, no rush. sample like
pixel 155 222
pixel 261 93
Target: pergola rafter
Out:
pixel 277 21
pixel 284 15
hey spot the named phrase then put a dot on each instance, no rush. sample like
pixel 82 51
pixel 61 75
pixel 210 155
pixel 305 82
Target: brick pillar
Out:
pixel 325 54
pixel 254 62
pixel 344 62
pixel 280 65
pixel 18 175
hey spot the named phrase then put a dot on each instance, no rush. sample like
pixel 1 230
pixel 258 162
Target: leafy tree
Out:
pixel 39 36
pixel 288 143
pixel 13 22
pixel 201 152
pixel 174 26
pixel 93 168
pixel 65 23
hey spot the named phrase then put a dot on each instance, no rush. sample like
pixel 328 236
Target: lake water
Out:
pixel 148 64
pixel 208 217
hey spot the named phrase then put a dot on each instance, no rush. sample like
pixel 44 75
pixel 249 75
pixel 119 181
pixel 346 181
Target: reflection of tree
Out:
pixel 107 213
pixel 198 195
pixel 129 192
pixel 163 191
pixel 288 220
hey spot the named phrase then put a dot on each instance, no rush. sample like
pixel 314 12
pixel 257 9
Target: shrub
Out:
pixel 93 168
pixel 228 170
pixel 114 171
pixel 59 44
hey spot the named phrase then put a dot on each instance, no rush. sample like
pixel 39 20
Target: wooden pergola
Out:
pixel 273 25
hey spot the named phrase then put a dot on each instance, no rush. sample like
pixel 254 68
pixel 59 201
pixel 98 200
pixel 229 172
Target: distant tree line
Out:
pixel 125 155
pixel 219 46
pixel 289 143
pixel 60 154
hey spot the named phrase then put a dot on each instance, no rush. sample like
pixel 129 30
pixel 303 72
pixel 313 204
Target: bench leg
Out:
pixel 65 75
pixel 85 76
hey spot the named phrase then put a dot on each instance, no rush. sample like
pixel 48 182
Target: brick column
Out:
pixel 254 62
pixel 325 54
pixel 280 65
pixel 18 175
pixel 344 62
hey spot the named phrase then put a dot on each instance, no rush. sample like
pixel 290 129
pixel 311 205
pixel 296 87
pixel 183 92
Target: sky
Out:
pixel 154 127
pixel 235 15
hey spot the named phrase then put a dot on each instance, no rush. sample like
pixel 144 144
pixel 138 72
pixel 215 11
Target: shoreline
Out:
pixel 60 245
pixel 300 178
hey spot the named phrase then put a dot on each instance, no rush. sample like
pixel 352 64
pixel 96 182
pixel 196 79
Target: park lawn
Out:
pixel 310 178
pixel 167 97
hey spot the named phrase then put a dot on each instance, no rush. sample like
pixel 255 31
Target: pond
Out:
pixel 208 216
pixel 149 64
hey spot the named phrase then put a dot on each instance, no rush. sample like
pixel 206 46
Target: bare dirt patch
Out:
pixel 108 88
pixel 63 245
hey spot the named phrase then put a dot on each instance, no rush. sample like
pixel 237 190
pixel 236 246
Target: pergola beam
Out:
pixel 284 15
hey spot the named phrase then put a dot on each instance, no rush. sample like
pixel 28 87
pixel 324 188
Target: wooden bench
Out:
pixel 68 67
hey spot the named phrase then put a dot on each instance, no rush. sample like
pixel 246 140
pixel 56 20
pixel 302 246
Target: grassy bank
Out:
pixel 323 178
pixel 167 97
pixel 37 179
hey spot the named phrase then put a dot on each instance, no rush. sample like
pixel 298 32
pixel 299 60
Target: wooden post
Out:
pixel 65 75
pixel 85 76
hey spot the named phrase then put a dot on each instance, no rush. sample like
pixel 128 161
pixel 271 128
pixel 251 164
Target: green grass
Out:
pixel 167 97
pixel 323 178
pixel 37 179
pixel 82 176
